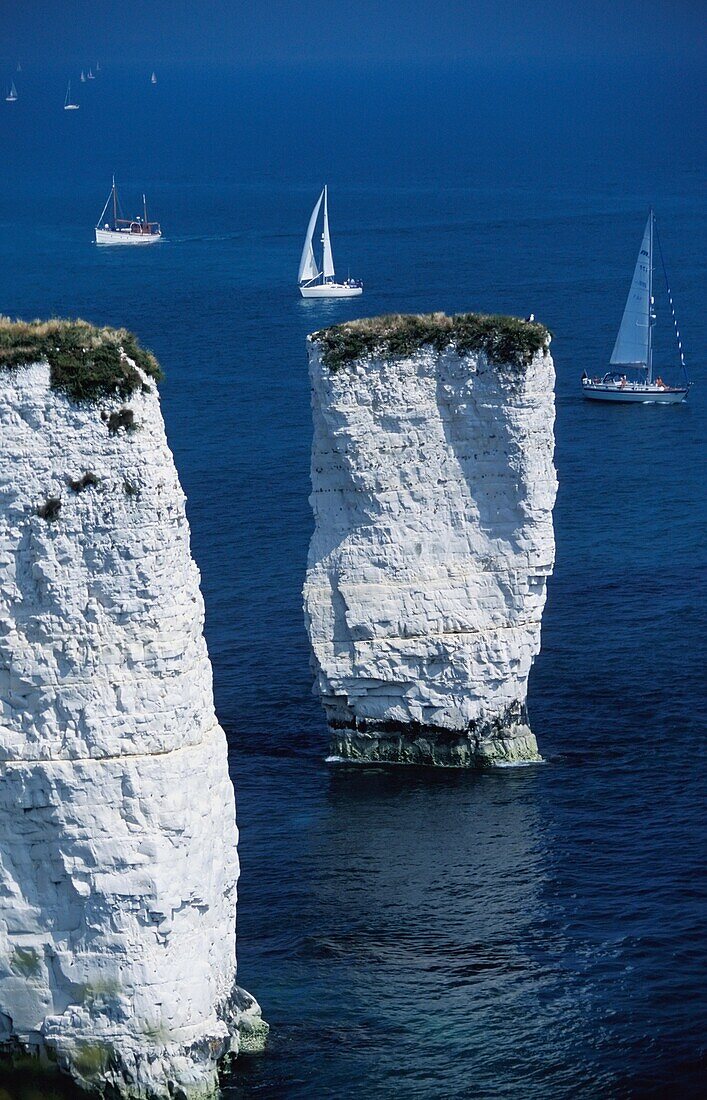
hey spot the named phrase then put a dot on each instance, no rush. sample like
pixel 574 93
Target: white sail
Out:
pixel 328 259
pixel 633 340
pixel 308 266
pixel 68 105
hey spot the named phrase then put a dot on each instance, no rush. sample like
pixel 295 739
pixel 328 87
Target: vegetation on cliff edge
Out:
pixel 86 362
pixel 502 339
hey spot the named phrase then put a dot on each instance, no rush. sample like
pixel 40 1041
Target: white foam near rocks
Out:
pixel 432 490
pixel 118 860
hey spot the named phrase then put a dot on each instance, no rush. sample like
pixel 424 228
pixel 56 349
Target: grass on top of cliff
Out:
pixel 502 339
pixel 85 362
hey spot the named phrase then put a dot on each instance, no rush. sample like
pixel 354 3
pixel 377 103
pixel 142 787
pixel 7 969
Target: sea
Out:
pixel 534 932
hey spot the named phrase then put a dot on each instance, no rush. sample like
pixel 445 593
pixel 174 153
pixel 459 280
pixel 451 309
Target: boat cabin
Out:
pixel 137 226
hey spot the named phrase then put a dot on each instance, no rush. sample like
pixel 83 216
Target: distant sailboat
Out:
pixel 121 230
pixel 633 349
pixel 12 94
pixel 153 78
pixel 314 283
pixel 98 66
pixel 68 105
pixel 19 68
pixel 83 77
pixel 89 75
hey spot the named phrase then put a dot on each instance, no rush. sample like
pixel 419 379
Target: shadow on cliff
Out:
pixel 475 426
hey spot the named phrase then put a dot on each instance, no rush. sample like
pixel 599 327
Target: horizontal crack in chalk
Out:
pixel 107 759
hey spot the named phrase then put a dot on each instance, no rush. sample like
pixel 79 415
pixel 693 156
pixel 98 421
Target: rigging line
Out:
pixel 672 306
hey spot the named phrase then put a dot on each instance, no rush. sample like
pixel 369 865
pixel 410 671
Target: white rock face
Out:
pixel 433 488
pixel 118 861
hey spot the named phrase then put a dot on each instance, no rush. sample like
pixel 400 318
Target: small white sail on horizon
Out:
pixel 309 275
pixel 11 96
pixel 153 78
pixel 68 104
pixel 83 77
pixel 89 75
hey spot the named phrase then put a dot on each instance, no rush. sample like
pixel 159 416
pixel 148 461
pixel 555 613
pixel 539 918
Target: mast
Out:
pixel 649 362
pixel 115 204
pixel 325 230
pixel 144 207
pixel 327 258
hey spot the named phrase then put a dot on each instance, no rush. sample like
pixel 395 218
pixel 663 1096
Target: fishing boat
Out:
pixel 68 104
pixel 633 350
pixel 153 78
pixel 316 283
pixel 122 230
pixel 12 94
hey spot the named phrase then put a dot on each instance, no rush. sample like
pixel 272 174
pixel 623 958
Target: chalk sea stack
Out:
pixel 432 490
pixel 118 860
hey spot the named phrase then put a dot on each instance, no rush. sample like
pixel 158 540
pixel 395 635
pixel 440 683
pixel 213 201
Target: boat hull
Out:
pixel 331 290
pixel 634 396
pixel 111 237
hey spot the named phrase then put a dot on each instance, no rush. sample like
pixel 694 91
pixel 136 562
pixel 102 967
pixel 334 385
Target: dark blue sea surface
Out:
pixel 534 932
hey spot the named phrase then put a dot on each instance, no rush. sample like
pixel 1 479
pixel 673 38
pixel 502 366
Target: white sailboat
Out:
pixel 83 77
pixel 633 350
pixel 11 96
pixel 316 283
pixel 122 230
pixel 68 104
pixel 153 78
pixel 89 75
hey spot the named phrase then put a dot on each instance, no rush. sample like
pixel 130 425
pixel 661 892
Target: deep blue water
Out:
pixel 534 932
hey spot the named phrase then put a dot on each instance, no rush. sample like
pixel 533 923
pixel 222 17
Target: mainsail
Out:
pixel 308 266
pixel 328 259
pixel 633 340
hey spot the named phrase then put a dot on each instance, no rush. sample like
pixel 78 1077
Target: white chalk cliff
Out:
pixel 432 490
pixel 118 860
